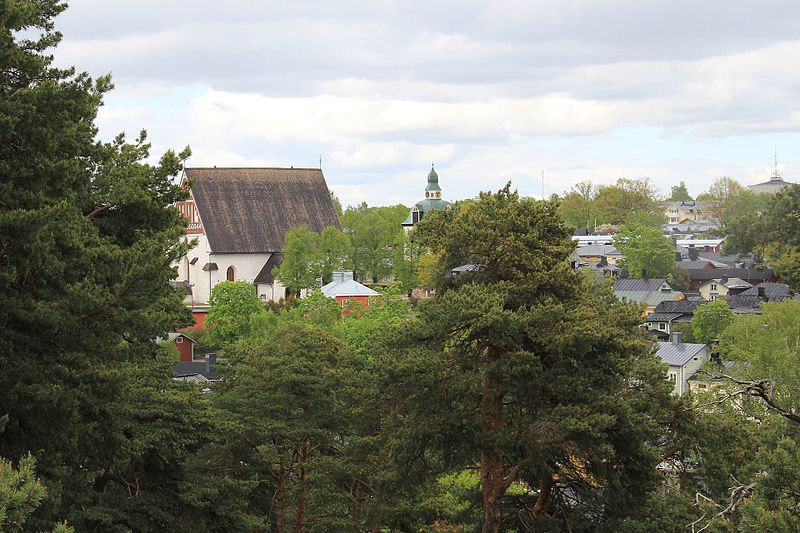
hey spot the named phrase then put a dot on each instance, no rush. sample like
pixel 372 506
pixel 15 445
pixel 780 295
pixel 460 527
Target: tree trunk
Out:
pixel 492 482
pixel 300 502
pixel 543 500
pixel 280 506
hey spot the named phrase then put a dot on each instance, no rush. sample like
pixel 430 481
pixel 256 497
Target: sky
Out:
pixel 489 91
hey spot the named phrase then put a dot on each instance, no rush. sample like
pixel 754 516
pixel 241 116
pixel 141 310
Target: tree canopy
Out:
pixel 645 249
pixel 526 318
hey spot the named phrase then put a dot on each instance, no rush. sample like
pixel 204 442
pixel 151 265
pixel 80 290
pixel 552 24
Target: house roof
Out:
pixel 775 292
pixel 662 317
pixel 249 210
pixel 742 273
pixel 597 250
pixel 679 306
pixel 193 368
pixel 172 336
pixel 699 264
pixel 265 274
pixel 647 291
pixel 744 303
pixel 678 354
pixel 731 283
pixel 343 284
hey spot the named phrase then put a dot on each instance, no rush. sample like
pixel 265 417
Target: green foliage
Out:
pixel 769 344
pixel 232 303
pixel 679 279
pixel 578 207
pixel 309 257
pixel 88 233
pixel 372 232
pixel 721 198
pixel 20 493
pixel 335 250
pixel 769 225
pixel 710 320
pixel 519 368
pixel 680 193
pixel 589 206
pixel 645 248
pixel 618 202
pixel 302 260
pixel 387 311
pixel 287 403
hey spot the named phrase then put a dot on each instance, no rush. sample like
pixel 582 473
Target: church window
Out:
pixel 230 275
pixel 415 215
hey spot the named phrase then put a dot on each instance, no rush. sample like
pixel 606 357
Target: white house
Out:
pixel 683 361
pixel 238 219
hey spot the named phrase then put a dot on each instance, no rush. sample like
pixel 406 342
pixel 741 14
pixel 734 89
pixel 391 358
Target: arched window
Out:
pixel 415 215
pixel 231 274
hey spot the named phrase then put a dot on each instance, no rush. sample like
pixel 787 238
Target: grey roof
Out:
pixel 639 284
pixel 193 368
pixel 647 291
pixel 678 354
pixel 662 317
pixel 744 303
pixel 173 335
pixel 775 292
pixel 183 287
pixel 699 264
pixel 463 269
pixel 265 274
pixel 731 283
pixel 679 306
pixel 249 210
pixel 600 250
pixel 741 273
pixel 343 284
pixel 728 260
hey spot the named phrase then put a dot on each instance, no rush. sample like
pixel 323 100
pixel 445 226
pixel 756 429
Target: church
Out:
pixel 238 219
pixel 432 202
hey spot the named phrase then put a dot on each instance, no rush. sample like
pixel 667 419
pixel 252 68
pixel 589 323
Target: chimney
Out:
pixel 678 257
pixel 762 293
pixel 676 337
pixel 644 273
pixel 347 275
pixel 211 362
pixel 338 276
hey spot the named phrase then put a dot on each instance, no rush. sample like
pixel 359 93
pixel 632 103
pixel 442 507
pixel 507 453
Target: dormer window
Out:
pixel 415 215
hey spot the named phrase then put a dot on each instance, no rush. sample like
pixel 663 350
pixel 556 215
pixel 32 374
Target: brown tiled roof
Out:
pixel 249 210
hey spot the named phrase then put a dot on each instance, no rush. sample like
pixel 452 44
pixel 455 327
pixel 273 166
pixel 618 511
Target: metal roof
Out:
pixel 662 317
pixel 775 292
pixel 597 250
pixel 344 285
pixel 678 354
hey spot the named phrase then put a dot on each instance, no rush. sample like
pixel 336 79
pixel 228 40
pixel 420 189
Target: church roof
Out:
pixel 249 210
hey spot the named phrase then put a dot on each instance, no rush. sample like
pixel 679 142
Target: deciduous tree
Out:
pixel 645 248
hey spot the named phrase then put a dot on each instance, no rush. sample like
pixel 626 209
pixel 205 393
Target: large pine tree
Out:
pixel 87 236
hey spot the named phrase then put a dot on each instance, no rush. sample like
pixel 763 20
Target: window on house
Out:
pixel 178 340
pixel 662 326
pixel 415 216
pixel 713 297
pixel 713 286
pixel 673 377
pixel 230 275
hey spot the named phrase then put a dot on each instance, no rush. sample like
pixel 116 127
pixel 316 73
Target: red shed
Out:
pixel 184 344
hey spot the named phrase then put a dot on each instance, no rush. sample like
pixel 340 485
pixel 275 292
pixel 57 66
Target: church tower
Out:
pixel 432 202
